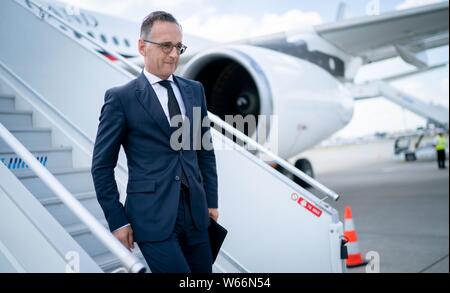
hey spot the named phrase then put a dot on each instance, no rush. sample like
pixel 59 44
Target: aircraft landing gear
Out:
pixel 303 165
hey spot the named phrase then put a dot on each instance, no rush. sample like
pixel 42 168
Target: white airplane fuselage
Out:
pixel 297 79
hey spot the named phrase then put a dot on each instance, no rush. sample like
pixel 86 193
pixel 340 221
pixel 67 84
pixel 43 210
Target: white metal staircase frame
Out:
pixel 130 261
pixel 72 127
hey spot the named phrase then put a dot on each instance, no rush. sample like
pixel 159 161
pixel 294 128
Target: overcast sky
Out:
pixel 226 20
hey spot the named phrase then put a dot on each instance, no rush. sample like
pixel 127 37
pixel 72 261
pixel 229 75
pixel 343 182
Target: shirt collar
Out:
pixel 153 79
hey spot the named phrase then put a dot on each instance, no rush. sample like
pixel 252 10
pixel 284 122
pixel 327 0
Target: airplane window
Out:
pixel 77 35
pixel 103 37
pixel 127 43
pixel 91 34
pixel 116 41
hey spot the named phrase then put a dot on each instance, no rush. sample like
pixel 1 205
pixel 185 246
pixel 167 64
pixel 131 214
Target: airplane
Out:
pixel 301 76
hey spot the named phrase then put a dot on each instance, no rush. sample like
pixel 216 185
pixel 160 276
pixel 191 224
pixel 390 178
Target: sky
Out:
pixel 228 20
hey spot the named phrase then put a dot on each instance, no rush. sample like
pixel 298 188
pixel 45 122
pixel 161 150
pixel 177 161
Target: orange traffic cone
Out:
pixel 355 258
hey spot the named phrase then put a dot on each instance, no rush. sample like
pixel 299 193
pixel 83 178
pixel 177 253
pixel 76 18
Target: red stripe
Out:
pixel 110 57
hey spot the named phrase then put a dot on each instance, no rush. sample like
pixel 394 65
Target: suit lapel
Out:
pixel 186 95
pixel 148 99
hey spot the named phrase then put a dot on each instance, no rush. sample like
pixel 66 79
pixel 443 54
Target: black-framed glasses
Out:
pixel 167 47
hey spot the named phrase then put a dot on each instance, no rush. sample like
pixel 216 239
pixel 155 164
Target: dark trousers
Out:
pixel 186 250
pixel 441 159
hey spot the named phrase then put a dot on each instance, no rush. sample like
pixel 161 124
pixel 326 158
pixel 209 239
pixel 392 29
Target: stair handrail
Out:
pixel 128 259
pixel 280 161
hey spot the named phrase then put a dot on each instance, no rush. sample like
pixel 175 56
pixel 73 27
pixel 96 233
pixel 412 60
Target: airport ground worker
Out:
pixel 440 145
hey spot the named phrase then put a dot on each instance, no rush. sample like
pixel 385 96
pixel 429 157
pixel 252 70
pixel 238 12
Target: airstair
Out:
pixel 436 114
pixel 52 84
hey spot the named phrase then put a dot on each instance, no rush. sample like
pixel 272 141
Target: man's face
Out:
pixel 156 61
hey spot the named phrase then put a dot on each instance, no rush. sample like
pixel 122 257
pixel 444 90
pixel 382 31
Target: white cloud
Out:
pixel 218 28
pixel 292 19
pixel 414 3
pixel 230 27
pixel 202 18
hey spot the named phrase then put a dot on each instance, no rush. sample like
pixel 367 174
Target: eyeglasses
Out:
pixel 167 47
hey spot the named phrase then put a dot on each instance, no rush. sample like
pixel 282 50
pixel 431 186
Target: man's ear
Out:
pixel 141 46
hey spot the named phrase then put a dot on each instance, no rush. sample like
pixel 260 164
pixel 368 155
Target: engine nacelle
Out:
pixel 309 103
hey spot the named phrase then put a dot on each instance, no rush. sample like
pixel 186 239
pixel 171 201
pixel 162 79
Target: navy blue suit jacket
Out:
pixel 132 116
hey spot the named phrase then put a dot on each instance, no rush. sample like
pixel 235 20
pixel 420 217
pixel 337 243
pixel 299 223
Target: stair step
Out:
pixel 86 239
pixel 16 119
pixel 95 248
pixel 64 215
pixel 30 138
pixel 6 95
pixel 75 180
pixel 109 262
pixel 49 157
pixel 7 102
pixel 59 162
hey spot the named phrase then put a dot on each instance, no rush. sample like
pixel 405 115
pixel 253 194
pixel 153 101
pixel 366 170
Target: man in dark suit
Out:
pixel 171 192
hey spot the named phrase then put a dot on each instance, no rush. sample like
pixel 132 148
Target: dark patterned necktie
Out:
pixel 172 103
pixel 174 109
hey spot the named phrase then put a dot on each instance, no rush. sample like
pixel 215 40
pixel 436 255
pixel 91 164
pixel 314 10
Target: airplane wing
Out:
pixel 401 33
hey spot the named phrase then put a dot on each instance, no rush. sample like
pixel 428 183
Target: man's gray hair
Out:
pixel 150 19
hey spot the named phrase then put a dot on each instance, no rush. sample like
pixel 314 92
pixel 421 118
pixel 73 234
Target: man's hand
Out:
pixel 214 214
pixel 125 235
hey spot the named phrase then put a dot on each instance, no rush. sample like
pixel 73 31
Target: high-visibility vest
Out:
pixel 440 146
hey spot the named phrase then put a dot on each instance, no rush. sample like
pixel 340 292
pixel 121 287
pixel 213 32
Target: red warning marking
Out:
pixel 310 207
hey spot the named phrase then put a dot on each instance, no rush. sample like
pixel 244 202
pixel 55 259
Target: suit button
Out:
pixel 177 178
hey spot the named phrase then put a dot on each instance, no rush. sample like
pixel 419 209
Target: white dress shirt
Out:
pixel 161 93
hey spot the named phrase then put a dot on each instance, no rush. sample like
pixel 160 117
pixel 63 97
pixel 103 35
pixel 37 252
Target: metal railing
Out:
pixel 129 260
pixel 280 161
pixel 215 119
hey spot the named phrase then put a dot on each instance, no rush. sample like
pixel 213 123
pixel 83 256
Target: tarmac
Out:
pixel 400 209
